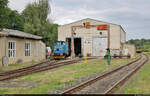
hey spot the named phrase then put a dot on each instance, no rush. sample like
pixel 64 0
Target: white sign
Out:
pixel 88 40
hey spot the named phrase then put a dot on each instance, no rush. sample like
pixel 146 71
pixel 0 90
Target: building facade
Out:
pixel 19 47
pixel 92 41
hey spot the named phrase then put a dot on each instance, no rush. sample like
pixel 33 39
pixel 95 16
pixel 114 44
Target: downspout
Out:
pixel 5 44
pixel 108 42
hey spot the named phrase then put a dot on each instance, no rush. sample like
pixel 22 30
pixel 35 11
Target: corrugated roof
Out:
pixel 10 32
pixel 3 34
pixel 93 20
pixel 89 19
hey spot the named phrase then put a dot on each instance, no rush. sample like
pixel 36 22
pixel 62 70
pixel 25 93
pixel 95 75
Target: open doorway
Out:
pixel 77 46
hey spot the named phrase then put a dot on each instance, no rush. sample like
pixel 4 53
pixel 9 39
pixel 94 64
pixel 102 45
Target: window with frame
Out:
pixel 11 49
pixel 27 49
pixel 36 49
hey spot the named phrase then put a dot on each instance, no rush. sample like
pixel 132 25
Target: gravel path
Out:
pixel 102 85
pixel 81 80
pixel 18 84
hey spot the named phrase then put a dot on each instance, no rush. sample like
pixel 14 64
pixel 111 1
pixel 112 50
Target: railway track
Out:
pixel 8 75
pixel 107 82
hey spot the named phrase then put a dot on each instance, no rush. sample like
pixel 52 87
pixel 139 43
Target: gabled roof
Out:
pixel 92 20
pixel 16 33
pixel 88 19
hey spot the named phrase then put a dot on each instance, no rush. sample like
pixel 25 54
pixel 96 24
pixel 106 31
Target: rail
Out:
pixel 137 64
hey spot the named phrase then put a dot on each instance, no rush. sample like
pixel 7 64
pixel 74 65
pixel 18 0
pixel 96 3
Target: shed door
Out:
pixel 99 46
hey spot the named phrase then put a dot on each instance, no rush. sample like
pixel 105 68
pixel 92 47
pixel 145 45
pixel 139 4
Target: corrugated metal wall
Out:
pixel 99 46
pixel 116 37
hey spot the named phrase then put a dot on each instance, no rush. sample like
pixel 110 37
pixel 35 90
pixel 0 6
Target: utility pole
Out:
pixel 72 43
pixel 108 28
pixel 108 49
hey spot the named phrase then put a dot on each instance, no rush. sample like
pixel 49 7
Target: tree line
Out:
pixel 140 43
pixel 33 19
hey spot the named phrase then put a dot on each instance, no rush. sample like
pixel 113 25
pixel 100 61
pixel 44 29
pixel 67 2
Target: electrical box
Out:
pixel 5 61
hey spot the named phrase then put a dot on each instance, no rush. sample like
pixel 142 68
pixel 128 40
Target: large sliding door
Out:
pixel 99 46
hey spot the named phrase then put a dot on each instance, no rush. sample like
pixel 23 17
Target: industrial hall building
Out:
pixel 19 47
pixel 93 37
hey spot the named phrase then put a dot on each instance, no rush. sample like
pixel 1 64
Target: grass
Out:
pixel 148 53
pixel 20 65
pixel 139 83
pixel 57 78
pixel 16 66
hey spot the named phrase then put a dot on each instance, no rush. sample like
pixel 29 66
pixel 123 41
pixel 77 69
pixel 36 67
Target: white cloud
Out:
pixel 19 5
pixel 62 15
pixel 133 15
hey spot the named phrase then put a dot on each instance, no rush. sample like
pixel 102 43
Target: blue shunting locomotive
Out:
pixel 60 50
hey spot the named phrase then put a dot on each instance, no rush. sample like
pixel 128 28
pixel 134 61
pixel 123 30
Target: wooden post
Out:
pixel 72 43
pixel 108 49
pixel 108 28
pixel 5 44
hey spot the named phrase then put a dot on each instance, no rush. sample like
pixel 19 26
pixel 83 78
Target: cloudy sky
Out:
pixel 133 15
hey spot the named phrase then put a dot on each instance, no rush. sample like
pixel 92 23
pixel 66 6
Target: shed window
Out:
pixel 27 49
pixel 36 49
pixel 11 49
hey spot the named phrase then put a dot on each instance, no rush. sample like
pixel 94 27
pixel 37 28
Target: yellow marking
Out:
pixel 85 59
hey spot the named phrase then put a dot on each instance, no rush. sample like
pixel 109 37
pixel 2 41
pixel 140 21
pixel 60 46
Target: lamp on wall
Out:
pixel 100 33
pixel 74 33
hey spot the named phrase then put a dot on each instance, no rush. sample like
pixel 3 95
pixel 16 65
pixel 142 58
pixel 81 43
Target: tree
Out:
pixel 51 37
pixel 15 20
pixel 37 22
pixel 3 13
pixel 36 17
pixel 141 43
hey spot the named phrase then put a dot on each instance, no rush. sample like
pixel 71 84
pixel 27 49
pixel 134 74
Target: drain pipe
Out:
pixel 5 44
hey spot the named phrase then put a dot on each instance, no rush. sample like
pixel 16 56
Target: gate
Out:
pixel 99 46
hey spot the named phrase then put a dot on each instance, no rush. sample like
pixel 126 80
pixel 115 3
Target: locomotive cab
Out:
pixel 60 50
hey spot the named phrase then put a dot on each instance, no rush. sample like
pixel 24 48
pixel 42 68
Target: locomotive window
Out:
pixel 62 43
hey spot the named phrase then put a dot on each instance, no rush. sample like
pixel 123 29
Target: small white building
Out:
pixel 19 47
pixel 93 40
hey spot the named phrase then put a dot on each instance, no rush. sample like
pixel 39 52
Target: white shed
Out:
pixel 90 40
